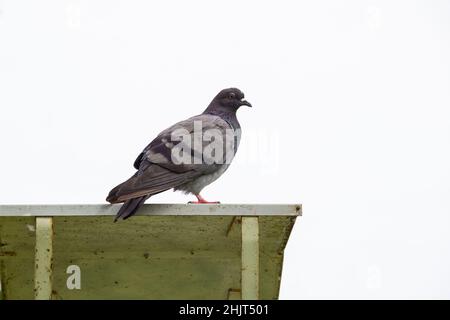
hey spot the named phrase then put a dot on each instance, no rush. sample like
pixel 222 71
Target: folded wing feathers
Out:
pixel 153 177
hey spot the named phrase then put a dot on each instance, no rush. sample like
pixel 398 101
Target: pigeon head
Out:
pixel 232 97
pixel 227 100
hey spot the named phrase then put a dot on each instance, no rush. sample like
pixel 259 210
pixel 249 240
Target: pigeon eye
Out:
pixel 232 95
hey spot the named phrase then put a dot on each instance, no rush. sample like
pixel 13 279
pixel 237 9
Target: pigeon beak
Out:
pixel 246 103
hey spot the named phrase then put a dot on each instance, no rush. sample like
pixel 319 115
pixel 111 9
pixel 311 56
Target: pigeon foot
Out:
pixel 201 200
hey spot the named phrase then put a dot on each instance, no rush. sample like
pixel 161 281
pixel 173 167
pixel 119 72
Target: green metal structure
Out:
pixel 167 251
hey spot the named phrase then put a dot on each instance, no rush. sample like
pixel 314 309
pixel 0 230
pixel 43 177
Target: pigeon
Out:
pixel 185 157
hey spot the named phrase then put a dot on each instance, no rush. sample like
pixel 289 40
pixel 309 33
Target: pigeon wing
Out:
pixel 162 149
pixel 157 170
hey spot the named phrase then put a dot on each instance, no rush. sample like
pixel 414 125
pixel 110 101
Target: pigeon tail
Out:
pixel 130 207
pixel 113 196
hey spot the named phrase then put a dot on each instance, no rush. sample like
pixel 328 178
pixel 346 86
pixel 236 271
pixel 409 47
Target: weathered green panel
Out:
pixel 145 257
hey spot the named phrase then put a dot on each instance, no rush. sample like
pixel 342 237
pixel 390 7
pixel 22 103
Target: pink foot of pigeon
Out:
pixel 202 201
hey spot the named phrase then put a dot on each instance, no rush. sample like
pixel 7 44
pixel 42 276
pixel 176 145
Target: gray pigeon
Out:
pixel 187 157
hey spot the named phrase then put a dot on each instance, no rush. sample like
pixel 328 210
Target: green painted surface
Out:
pixel 145 257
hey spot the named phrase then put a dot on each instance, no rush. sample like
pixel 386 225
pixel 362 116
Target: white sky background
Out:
pixel 351 118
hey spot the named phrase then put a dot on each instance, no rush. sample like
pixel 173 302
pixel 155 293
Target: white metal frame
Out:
pixel 250 258
pixel 43 259
pixel 152 209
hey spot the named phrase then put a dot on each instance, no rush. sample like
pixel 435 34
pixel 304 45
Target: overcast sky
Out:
pixel 351 118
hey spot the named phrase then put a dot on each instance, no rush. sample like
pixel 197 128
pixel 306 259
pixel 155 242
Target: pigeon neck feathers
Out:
pixel 226 113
